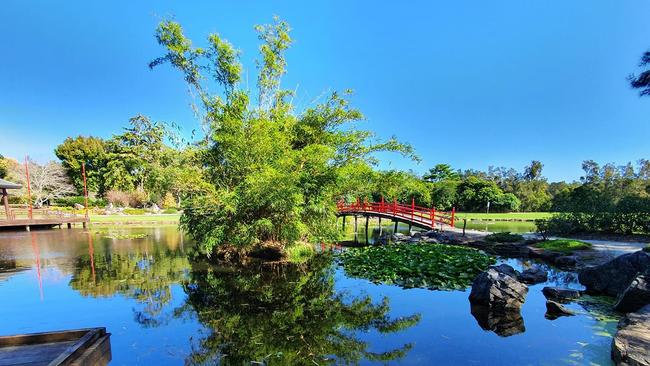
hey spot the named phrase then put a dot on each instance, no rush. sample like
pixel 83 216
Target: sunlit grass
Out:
pixel 563 245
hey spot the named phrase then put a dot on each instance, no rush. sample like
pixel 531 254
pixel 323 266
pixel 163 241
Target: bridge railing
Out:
pixel 417 214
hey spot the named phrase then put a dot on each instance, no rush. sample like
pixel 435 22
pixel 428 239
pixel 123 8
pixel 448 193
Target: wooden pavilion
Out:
pixel 4 186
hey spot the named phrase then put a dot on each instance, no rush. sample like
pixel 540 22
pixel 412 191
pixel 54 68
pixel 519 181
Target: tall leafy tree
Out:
pixel 642 80
pixel 91 151
pixel 270 172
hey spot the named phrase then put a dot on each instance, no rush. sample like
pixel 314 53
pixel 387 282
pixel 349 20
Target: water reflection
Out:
pixel 145 275
pixel 503 324
pixel 287 315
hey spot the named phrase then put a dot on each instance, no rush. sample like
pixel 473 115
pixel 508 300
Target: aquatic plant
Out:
pixel 433 266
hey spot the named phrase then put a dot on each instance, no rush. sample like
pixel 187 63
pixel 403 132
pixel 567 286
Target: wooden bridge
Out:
pixel 421 217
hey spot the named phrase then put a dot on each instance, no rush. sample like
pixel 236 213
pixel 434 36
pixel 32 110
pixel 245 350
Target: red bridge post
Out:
pixel 382 203
pixel 412 208
pixel 433 217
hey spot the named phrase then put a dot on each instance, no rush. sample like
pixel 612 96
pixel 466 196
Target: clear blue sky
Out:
pixel 469 83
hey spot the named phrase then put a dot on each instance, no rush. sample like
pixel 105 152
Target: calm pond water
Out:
pixel 163 309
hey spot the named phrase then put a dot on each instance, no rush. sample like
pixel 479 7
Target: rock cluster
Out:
pixel 533 275
pixel 613 277
pixel 636 295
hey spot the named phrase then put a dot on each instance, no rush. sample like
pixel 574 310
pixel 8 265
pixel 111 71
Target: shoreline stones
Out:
pixel 631 343
pixel 613 277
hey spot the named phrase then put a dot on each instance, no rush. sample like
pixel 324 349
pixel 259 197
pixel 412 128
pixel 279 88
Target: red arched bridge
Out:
pixel 422 217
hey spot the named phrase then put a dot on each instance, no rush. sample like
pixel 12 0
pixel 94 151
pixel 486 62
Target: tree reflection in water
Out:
pixel 285 315
pixel 145 276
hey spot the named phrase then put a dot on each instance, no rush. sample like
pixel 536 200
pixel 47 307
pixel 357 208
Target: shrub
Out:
pixel 172 210
pixel 118 198
pixel 607 222
pixel 647 248
pixel 505 237
pixel 73 200
pixel 563 245
pixel 299 252
pixel 138 198
pixel 134 211
pixel 168 201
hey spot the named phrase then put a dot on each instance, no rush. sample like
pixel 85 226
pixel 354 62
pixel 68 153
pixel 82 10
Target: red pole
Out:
pixel 412 207
pixel 382 203
pixel 433 217
pixel 29 190
pixel 453 216
pixel 83 173
pixel 395 206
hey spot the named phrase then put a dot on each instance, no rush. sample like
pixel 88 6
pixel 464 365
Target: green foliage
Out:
pixel 300 252
pixel 441 172
pixel 4 167
pixel 402 186
pixel 563 245
pixel 642 81
pixel 171 210
pixel 271 174
pixel 444 194
pixel 433 266
pixel 290 316
pixel 79 200
pixel 134 211
pixel 505 237
pixel 606 222
pixel 74 152
pixel 474 193
pixel 647 248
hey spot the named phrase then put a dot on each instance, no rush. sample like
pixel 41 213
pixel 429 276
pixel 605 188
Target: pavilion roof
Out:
pixel 9 185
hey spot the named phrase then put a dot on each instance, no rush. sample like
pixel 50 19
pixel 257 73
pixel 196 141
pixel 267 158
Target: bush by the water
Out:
pixel 606 222
pixel 433 266
pixel 647 249
pixel 80 200
pixel 505 237
pixel 563 245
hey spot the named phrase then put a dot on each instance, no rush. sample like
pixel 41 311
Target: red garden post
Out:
pixel 395 206
pixel 382 204
pixel 83 173
pixel 30 213
pixel 453 216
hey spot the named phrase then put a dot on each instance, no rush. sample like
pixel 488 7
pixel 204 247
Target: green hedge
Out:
pixel 71 201
pixel 606 222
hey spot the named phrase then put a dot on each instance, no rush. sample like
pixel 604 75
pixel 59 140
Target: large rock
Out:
pixel 566 261
pixel 498 289
pixel 533 275
pixel 502 323
pixel 555 310
pixel 560 294
pixel 613 277
pixel 631 344
pixel 636 295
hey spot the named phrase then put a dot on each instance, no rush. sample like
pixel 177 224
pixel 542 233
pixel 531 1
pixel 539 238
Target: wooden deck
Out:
pixel 74 347
pixel 45 222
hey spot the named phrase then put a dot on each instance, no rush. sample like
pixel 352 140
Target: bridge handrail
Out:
pixel 415 213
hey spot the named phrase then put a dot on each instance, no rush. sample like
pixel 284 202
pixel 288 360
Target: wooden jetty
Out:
pixel 78 347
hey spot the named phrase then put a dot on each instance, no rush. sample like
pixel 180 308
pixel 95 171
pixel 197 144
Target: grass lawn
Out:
pixel 134 219
pixel 523 216
pixel 563 245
